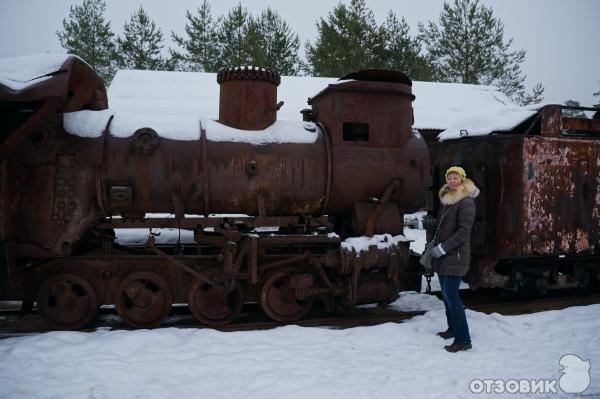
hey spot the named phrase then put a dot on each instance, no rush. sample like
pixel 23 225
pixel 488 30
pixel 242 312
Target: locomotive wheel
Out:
pixel 143 299
pixel 278 298
pixel 67 301
pixel 217 304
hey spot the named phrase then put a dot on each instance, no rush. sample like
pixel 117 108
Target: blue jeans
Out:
pixel 455 311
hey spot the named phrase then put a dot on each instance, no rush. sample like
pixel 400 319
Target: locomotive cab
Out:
pixel 368 116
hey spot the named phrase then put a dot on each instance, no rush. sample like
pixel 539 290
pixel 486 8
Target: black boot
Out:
pixel 446 334
pixel 465 346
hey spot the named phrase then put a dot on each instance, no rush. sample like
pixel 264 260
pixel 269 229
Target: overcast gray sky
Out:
pixel 562 37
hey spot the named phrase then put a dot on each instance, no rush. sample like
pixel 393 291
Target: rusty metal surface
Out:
pixel 143 299
pixel 217 302
pixel 290 177
pixel 551 121
pixel 363 169
pixel 279 299
pixel 51 189
pixel 248 97
pixel 554 124
pixel 65 183
pixel 60 192
pixel 32 187
pixel 73 87
pixel 579 124
pixel 560 196
pixel 67 301
pixel 142 286
pixel 10 142
pixel 88 178
pixel 384 218
pixel 539 195
pixel 538 220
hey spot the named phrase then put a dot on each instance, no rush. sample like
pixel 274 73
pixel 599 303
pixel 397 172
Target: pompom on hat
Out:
pixel 456 169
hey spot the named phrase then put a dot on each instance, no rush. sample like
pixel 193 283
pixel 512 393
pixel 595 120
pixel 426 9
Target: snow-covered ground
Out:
pixel 404 360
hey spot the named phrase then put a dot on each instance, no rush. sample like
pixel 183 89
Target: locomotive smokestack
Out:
pixel 248 97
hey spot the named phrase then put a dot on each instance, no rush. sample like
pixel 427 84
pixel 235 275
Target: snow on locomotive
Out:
pixel 73 171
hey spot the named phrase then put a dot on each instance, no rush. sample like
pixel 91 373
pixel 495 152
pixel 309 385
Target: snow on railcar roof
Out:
pixel 495 120
pixel 198 93
pixel 177 104
pixel 437 105
pixel 280 131
pixel 17 73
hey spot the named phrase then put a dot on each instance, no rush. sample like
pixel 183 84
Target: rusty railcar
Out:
pixel 538 224
pixel 356 169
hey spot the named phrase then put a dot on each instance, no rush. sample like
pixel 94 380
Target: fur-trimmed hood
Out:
pixel 449 196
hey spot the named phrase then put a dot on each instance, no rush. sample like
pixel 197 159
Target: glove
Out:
pixel 438 251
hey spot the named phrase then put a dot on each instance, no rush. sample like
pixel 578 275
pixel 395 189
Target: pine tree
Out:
pixel 87 35
pixel 597 94
pixel 535 97
pixel 573 113
pixel 270 43
pixel 201 47
pixel 467 46
pixel 347 41
pixel 141 45
pixel 232 38
pixel 236 39
pixel 402 52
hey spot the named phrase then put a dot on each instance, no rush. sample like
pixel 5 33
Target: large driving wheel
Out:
pixel 218 303
pixel 67 301
pixel 279 299
pixel 143 299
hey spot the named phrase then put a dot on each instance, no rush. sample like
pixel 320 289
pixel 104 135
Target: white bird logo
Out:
pixel 575 372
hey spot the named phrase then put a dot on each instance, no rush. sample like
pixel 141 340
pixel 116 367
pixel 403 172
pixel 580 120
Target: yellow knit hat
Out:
pixel 456 169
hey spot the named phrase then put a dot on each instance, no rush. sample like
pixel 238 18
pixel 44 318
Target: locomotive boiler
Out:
pixel 351 167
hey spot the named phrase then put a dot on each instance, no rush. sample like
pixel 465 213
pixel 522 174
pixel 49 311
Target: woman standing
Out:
pixel 453 251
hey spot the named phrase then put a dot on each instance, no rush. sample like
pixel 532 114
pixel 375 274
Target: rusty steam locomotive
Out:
pixel 353 167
